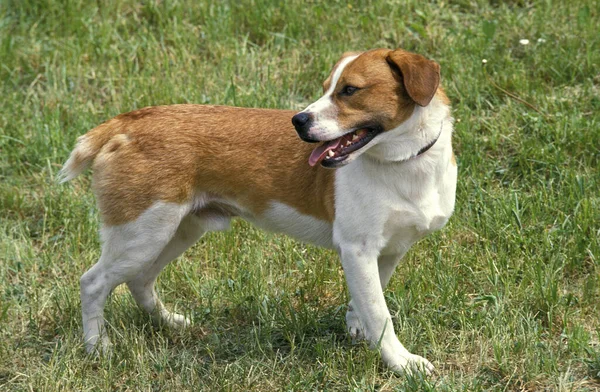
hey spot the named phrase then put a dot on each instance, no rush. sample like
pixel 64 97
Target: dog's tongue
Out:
pixel 319 153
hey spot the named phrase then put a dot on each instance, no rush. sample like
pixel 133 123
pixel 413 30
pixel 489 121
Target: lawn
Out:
pixel 506 297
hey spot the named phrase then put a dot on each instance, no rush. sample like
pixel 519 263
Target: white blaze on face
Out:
pixel 323 111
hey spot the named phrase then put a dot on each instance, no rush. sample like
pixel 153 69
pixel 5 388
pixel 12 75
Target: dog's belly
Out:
pixel 281 218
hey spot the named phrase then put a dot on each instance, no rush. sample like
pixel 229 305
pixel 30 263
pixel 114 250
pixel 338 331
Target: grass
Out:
pixel 506 297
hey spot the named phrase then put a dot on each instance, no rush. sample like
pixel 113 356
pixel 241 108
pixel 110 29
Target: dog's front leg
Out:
pixel 362 276
pixel 387 264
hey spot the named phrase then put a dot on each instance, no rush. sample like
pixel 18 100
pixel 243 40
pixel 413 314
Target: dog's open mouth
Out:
pixel 333 152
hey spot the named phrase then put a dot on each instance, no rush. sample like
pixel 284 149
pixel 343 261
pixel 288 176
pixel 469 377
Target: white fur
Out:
pixel 75 165
pixel 129 252
pixel 323 111
pixel 282 218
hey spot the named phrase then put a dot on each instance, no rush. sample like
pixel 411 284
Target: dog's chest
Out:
pixel 409 220
pixel 407 223
pixel 395 209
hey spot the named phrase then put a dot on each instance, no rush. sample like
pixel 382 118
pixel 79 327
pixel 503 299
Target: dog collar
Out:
pixel 428 146
pixel 423 150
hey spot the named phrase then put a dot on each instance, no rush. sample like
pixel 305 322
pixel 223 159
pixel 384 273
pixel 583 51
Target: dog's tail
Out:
pixel 86 149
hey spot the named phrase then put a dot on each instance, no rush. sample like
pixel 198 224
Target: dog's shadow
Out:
pixel 230 331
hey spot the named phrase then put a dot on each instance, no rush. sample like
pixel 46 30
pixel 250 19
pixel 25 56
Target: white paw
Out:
pixel 97 346
pixel 354 326
pixel 175 320
pixel 411 364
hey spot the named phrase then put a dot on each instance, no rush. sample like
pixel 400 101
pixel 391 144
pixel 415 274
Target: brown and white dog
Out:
pixel 164 176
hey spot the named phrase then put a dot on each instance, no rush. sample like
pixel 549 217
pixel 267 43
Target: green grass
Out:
pixel 506 297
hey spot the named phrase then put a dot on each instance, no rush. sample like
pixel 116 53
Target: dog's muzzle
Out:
pixel 302 122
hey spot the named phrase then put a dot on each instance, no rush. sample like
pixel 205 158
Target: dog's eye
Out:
pixel 348 90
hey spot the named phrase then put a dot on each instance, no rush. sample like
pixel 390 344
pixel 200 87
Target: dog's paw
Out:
pixel 354 326
pixel 99 346
pixel 175 320
pixel 411 364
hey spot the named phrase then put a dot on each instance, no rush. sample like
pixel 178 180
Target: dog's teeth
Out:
pixel 330 153
pixel 347 143
pixel 354 137
pixel 361 132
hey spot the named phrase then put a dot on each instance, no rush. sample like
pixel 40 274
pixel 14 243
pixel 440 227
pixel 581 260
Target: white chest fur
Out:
pixel 391 206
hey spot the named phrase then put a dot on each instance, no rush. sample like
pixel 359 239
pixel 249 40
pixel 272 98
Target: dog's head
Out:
pixel 365 95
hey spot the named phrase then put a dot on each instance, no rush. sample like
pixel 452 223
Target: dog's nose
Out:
pixel 300 120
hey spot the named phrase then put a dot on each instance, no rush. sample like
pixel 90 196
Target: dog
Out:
pixel 163 176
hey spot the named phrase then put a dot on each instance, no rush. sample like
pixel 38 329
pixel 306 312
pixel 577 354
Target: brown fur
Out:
pixel 441 94
pixel 390 83
pixel 250 156
pixel 420 76
pixel 172 153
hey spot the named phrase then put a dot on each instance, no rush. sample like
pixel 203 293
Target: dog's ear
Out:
pixel 421 77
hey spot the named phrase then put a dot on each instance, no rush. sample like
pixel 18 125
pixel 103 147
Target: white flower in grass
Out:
pixel 541 40
pixel 484 61
pixel 524 41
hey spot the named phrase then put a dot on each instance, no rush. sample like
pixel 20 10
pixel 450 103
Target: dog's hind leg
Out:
pixel 127 250
pixel 142 286
pixel 192 227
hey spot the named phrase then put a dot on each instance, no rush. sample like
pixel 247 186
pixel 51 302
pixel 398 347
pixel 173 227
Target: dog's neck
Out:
pixel 430 144
pixel 413 138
